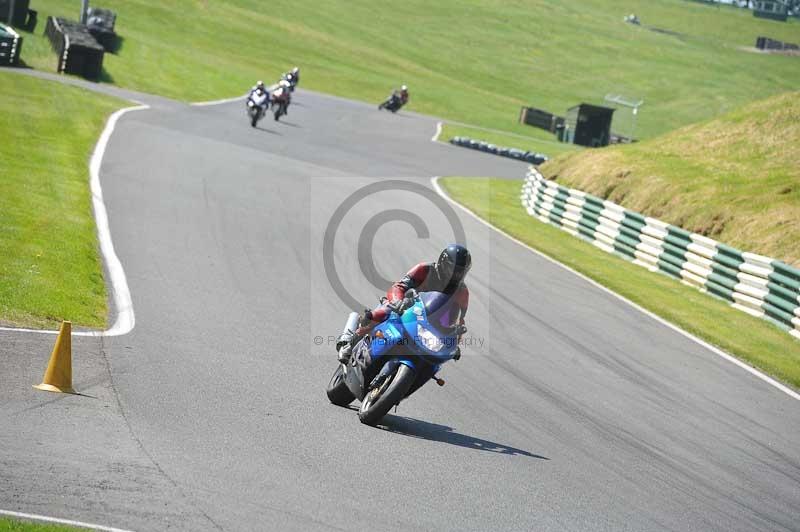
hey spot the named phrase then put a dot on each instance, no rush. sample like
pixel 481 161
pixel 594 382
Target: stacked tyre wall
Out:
pixel 77 50
pixel 10 45
pixel 765 43
pixel 761 286
pixel 100 23
pixel 513 153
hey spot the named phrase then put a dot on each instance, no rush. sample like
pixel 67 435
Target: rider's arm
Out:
pixel 462 300
pixel 412 279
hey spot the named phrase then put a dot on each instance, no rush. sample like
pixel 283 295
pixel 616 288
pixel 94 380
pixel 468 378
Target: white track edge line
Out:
pixel 120 292
pixel 119 284
pixel 47 519
pixel 435 136
pixel 730 358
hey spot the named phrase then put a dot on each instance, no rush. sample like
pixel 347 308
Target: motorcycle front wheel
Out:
pixel 338 392
pixel 379 401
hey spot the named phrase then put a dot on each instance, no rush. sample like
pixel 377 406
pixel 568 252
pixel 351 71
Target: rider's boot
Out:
pixel 348 339
pixel 344 346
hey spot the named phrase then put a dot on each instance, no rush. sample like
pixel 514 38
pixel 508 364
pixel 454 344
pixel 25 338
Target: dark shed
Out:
pixel 773 9
pixel 588 125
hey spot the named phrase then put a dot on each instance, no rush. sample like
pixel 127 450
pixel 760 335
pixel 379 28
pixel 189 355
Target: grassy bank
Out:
pixel 50 267
pixel 756 341
pixel 474 62
pixel 735 179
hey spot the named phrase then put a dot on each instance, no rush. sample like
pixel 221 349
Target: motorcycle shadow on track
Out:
pixel 265 130
pixel 416 428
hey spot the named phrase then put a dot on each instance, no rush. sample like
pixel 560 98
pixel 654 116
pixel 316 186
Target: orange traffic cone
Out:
pixel 58 377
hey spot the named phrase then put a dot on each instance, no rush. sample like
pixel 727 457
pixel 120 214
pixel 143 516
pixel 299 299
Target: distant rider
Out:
pixel 402 94
pixel 283 94
pixel 259 86
pixel 293 77
pixel 445 275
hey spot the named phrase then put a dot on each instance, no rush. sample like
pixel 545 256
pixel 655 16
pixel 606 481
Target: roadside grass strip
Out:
pixel 50 267
pixel 13 525
pixel 741 281
pixel 25 522
pixel 761 286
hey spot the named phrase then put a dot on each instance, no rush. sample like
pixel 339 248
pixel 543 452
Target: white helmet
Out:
pixel 403 88
pixel 284 83
pixel 296 70
pixel 259 84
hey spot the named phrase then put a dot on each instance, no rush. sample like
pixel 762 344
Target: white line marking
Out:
pixel 35 517
pixel 435 136
pixel 120 292
pixel 219 102
pixel 769 380
pixel 119 285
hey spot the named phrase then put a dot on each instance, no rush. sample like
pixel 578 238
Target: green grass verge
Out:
pixel 50 267
pixel 735 178
pixel 474 62
pixel 12 525
pixel 545 143
pixel 756 341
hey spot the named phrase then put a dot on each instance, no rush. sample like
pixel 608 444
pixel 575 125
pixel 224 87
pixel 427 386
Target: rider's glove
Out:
pixel 405 304
pixel 399 305
pixel 457 356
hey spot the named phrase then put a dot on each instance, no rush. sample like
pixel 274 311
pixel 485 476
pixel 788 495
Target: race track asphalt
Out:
pixel 570 411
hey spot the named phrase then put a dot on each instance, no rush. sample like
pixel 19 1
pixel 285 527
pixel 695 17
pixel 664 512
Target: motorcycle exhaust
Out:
pixel 352 324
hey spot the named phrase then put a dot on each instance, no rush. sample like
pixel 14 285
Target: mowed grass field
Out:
pixel 474 61
pixel 735 178
pixel 756 341
pixel 50 268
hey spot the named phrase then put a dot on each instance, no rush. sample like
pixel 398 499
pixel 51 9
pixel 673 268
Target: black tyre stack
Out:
pixel 10 45
pixel 101 25
pixel 512 153
pixel 20 12
pixel 78 51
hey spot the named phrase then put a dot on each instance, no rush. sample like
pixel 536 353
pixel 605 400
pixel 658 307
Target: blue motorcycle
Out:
pixel 398 357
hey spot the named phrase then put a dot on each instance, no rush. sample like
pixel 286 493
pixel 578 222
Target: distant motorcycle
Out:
pixel 257 104
pixel 291 79
pixel 281 98
pixel 393 103
pixel 398 357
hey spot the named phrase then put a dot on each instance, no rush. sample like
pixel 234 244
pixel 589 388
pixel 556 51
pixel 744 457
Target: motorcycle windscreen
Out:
pixel 432 333
pixel 441 311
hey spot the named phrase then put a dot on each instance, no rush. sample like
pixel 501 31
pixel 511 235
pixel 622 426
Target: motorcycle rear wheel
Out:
pixel 338 392
pixel 377 404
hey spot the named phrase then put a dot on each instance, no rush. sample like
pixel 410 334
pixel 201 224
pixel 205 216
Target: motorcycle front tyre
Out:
pixel 338 392
pixel 374 408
